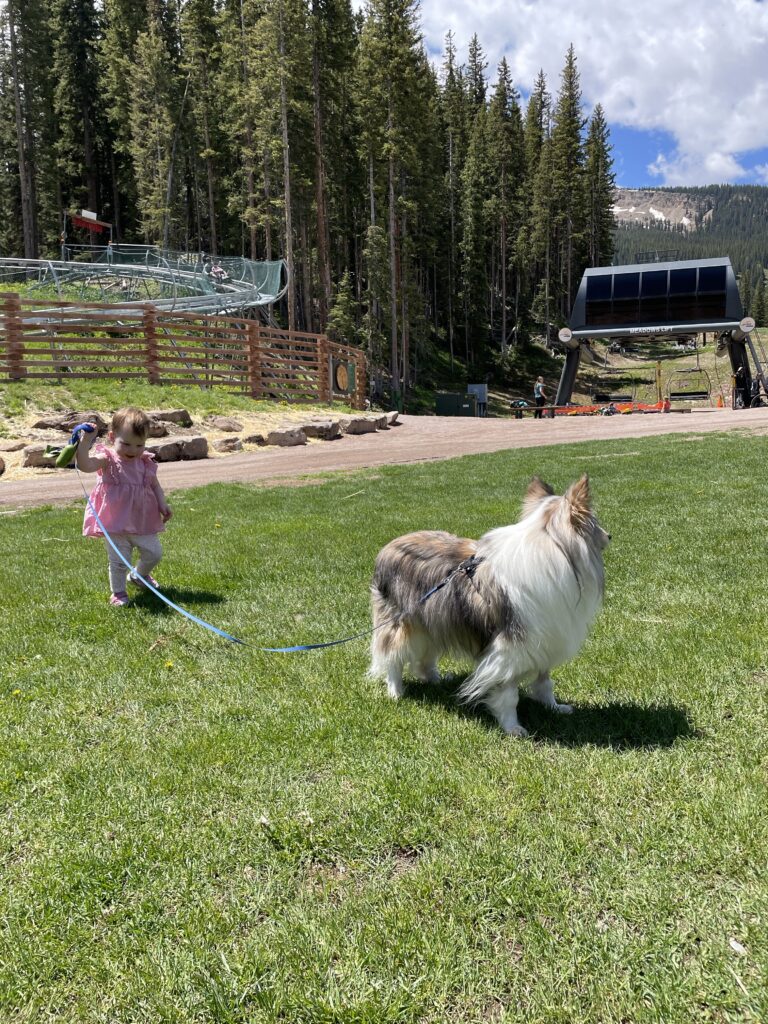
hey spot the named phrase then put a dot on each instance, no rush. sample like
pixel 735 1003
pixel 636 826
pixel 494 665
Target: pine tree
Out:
pixel 341 318
pixel 476 68
pixel 567 182
pixel 599 189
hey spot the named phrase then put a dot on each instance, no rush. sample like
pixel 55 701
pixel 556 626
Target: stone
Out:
pixel 228 444
pixel 33 457
pixel 357 425
pixel 180 416
pixel 382 423
pixel 326 430
pixel 166 451
pixel 67 421
pixel 392 417
pixel 287 437
pixel 2 467
pixel 225 423
pixel 157 429
pixel 193 448
pixel 12 446
pixel 258 439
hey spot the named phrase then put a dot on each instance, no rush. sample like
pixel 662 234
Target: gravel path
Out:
pixel 417 439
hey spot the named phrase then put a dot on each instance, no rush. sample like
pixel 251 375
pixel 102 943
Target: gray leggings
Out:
pixel 150 553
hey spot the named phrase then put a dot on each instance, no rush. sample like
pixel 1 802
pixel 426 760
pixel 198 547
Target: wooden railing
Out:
pixel 65 340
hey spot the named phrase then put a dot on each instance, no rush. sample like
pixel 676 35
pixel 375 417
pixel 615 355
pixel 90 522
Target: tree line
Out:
pixel 421 209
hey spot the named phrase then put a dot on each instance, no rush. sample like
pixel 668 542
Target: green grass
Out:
pixel 193 831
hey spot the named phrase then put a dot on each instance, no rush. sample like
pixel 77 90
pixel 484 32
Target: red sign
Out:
pixel 88 224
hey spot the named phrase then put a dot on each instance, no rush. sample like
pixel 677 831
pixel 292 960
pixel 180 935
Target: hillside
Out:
pixel 717 220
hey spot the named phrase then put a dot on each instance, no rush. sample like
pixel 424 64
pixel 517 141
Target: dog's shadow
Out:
pixel 620 726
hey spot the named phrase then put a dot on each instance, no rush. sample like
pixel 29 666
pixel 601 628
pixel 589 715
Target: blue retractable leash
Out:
pixel 68 453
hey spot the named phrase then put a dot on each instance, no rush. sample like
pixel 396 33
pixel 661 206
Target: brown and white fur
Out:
pixel 527 608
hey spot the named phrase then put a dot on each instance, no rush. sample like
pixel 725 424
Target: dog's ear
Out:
pixel 537 491
pixel 579 498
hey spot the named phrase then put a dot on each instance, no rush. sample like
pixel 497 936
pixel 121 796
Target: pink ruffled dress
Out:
pixel 124 497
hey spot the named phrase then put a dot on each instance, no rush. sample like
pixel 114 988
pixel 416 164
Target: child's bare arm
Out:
pixel 165 510
pixel 86 462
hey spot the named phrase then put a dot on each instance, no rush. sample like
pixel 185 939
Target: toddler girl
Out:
pixel 127 497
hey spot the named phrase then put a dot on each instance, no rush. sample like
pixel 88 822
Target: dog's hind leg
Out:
pixel 423 657
pixel 388 658
pixel 542 690
pixel 502 703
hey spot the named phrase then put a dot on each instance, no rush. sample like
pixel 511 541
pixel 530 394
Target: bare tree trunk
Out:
pixel 393 361
pixel 26 153
pixel 287 181
pixel 169 184
pixel 503 285
pixel 249 171
pixel 268 213
pixel 306 271
pixel 453 248
pixel 323 240
pixel 209 174
pixel 404 338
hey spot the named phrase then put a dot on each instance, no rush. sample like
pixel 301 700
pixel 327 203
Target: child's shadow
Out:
pixel 622 726
pixel 150 602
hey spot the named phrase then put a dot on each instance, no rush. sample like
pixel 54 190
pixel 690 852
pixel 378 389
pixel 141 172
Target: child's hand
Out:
pixel 89 435
pixel 165 512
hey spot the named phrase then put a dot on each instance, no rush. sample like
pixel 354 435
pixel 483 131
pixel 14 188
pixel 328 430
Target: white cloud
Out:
pixel 696 69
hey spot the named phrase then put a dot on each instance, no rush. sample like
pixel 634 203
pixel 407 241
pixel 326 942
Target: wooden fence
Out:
pixel 65 340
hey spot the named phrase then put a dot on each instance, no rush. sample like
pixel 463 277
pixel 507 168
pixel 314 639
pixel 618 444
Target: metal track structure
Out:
pixel 130 276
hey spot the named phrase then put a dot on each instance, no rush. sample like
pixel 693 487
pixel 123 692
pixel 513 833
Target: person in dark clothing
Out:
pixel 540 397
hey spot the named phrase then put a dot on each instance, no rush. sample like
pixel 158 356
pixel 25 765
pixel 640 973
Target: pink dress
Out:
pixel 124 497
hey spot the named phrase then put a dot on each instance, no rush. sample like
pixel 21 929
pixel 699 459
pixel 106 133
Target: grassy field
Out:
pixel 195 832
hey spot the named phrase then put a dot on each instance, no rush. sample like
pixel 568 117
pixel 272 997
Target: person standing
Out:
pixel 540 397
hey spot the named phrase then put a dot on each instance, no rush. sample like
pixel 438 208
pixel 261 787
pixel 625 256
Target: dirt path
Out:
pixel 417 439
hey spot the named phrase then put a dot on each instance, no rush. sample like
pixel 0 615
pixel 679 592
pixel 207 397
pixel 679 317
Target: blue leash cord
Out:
pixel 467 567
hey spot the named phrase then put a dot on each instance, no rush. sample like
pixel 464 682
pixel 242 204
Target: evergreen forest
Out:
pixel 422 209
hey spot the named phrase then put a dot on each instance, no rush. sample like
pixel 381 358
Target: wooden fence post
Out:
pixel 14 337
pixel 254 359
pixel 149 318
pixel 361 383
pixel 323 369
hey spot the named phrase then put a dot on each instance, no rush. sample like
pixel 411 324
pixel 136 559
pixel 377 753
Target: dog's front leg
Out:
pixel 543 692
pixel 502 703
pixel 494 683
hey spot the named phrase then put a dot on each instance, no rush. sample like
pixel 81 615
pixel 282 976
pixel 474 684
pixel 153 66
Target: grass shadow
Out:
pixel 179 595
pixel 618 725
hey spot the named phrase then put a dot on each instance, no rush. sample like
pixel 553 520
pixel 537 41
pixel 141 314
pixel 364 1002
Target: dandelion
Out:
pixel 169 664
pixel 17 693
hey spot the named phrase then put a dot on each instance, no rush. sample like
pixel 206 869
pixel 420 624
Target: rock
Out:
pixel 69 420
pixel 193 448
pixel 392 417
pixel 12 446
pixel 225 423
pixel 255 439
pixel 166 451
pixel 228 444
pixel 34 457
pixel 157 429
pixel 287 437
pixel 357 425
pixel 180 416
pixel 326 430
pixel 382 423
pixel 2 467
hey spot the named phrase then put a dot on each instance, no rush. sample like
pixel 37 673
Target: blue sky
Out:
pixel 683 83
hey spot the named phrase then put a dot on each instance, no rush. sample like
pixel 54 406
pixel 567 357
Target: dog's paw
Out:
pixel 395 689
pixel 516 731
pixel 431 675
pixel 563 709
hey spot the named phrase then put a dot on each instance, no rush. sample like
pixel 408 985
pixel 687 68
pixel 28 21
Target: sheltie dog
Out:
pixel 519 601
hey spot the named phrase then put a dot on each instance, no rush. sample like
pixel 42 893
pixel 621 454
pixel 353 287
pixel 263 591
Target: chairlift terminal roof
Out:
pixel 648 299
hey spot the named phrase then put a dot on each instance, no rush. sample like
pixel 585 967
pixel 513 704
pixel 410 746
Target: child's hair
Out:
pixel 132 420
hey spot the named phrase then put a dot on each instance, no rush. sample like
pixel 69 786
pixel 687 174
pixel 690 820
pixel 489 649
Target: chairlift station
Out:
pixel 656 302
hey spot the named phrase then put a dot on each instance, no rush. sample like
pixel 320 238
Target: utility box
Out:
pixel 480 391
pixel 467 405
pixel 447 403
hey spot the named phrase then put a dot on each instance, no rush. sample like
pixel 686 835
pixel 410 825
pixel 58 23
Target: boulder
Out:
pixel 12 446
pixel 2 467
pixel 34 457
pixel 258 439
pixel 166 451
pixel 392 418
pixel 180 416
pixel 287 437
pixel 382 423
pixel 326 430
pixel 357 425
pixel 67 421
pixel 228 444
pixel 157 429
pixel 193 448
pixel 225 423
